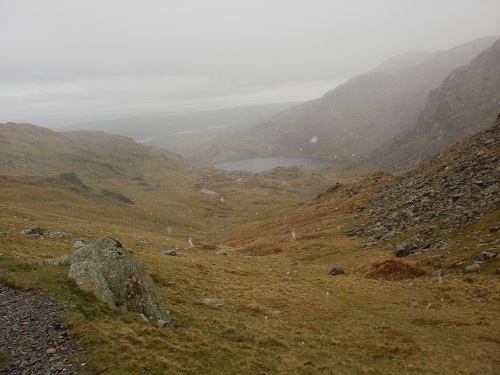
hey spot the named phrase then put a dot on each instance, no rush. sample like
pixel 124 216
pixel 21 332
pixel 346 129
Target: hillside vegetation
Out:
pixel 251 289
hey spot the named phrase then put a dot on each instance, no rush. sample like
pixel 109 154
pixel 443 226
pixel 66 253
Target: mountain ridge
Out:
pixel 466 102
pixel 351 120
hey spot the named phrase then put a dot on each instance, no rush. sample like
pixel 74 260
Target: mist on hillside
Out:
pixel 251 187
pixel 76 62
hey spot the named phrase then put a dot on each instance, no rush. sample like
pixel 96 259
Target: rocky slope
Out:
pixel 352 119
pixel 466 102
pixel 445 193
pixel 32 332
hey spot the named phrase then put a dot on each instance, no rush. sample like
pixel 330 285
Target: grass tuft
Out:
pixel 256 309
pixel 5 359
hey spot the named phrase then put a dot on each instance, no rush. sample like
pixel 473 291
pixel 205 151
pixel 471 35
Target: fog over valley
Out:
pixel 249 187
pixel 65 62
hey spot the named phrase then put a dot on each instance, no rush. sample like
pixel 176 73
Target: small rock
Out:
pixel 473 268
pixel 437 273
pixel 438 256
pixel 172 253
pixel 51 350
pixel 35 231
pixel 220 253
pixel 402 249
pixel 459 263
pixel 57 234
pixel 337 271
pixel 79 243
pixel 413 303
pixel 427 216
pixel 144 317
pixel 163 323
pixel 485 255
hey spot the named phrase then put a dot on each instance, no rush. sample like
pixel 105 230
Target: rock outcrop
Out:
pixel 40 232
pixel 452 189
pixel 108 271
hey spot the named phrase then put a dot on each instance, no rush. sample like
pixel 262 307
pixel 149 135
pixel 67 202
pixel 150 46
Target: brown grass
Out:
pixel 347 324
pixel 395 269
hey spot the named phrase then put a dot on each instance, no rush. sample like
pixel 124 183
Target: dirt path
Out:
pixel 32 334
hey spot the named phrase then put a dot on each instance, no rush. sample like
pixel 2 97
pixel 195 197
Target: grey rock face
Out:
pixel 108 271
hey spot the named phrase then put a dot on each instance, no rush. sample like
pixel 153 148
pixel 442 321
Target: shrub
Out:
pixel 395 269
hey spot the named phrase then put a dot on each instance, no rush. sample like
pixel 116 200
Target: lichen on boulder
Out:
pixel 108 271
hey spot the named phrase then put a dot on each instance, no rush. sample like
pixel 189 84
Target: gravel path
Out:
pixel 31 332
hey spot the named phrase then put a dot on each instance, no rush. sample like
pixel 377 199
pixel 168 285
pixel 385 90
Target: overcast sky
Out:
pixel 64 61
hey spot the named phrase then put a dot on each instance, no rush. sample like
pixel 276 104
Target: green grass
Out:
pixel 5 358
pixel 347 324
pixel 360 326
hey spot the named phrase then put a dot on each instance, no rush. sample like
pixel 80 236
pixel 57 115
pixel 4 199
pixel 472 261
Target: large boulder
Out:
pixel 108 271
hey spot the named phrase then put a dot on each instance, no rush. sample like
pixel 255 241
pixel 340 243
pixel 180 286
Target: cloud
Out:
pixel 117 56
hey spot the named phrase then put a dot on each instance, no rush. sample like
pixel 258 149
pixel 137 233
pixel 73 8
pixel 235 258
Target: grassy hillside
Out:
pixel 276 308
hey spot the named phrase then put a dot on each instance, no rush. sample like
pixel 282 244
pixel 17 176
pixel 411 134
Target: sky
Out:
pixel 67 61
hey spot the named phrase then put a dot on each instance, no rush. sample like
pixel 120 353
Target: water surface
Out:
pixel 258 165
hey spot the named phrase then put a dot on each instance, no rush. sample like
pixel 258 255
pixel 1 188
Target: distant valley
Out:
pixel 386 261
pixel 373 121
pixel 182 133
pixel 357 117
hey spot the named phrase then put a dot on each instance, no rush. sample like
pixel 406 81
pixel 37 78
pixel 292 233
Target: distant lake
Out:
pixel 258 165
